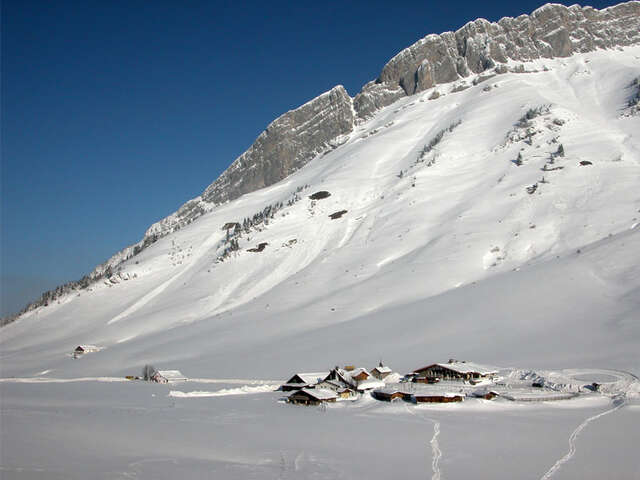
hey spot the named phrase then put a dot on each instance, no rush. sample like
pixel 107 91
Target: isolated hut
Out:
pixel 82 349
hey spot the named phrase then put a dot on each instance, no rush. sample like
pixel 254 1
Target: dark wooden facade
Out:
pixel 420 398
pixel 304 398
pixel 388 396
pixel 435 372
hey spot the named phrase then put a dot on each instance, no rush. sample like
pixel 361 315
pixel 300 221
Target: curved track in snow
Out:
pixel 618 403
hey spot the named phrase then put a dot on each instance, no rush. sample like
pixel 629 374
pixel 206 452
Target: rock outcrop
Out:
pixel 551 31
pixel 287 144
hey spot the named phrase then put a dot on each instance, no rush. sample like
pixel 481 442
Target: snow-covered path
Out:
pixel 436 453
pixel 618 403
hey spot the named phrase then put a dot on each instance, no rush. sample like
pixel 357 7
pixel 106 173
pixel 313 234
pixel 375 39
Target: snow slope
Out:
pixel 453 257
pixel 456 256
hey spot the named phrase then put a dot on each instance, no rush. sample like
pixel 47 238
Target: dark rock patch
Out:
pixel 337 215
pixel 320 195
pixel 258 248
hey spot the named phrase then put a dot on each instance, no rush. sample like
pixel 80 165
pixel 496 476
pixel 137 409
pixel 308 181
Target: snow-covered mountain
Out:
pixel 500 212
pixel 491 216
pixel 324 123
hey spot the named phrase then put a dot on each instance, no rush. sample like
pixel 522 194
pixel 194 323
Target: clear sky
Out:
pixel 114 113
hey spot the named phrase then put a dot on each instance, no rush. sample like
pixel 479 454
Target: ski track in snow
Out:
pixel 619 403
pixel 436 453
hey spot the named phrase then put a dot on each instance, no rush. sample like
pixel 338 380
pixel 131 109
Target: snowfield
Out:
pixel 496 224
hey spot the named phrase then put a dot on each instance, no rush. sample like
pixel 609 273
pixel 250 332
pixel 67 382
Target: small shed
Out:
pixel 303 380
pixel 82 349
pixel 312 396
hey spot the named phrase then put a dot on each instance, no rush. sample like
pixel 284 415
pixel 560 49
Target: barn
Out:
pixel 312 396
pixel 454 370
pixel 437 397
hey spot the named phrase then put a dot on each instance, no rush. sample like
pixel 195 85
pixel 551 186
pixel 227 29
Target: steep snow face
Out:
pixel 496 222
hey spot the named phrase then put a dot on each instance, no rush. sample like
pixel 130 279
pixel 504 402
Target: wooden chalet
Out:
pixel 358 379
pixel 312 396
pixel 342 390
pixel 453 370
pixel 82 349
pixel 381 371
pixel 388 395
pixel 303 380
pixel 486 394
pixel 437 397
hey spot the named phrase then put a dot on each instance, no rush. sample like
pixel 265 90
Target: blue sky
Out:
pixel 115 113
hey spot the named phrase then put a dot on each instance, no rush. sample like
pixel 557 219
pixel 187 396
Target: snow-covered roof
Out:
pixel 392 378
pixel 463 367
pixel 383 369
pixel 172 375
pixel 308 378
pixel 88 348
pixel 319 393
pixel 357 371
pixel 370 384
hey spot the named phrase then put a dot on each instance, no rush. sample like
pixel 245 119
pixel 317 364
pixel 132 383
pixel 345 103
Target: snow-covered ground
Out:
pixel 456 259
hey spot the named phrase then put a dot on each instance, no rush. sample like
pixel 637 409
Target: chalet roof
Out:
pixel 357 371
pixel 390 390
pixel 317 393
pixel 392 378
pixel 370 384
pixel 308 378
pixel 462 367
pixel 172 375
pixel 87 348
pixel 383 369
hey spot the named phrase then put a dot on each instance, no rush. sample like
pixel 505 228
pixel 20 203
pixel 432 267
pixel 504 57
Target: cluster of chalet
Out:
pixel 343 383
pixel 384 384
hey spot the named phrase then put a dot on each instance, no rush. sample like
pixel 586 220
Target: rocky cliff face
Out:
pixel 287 144
pixel 550 31
pixel 298 136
